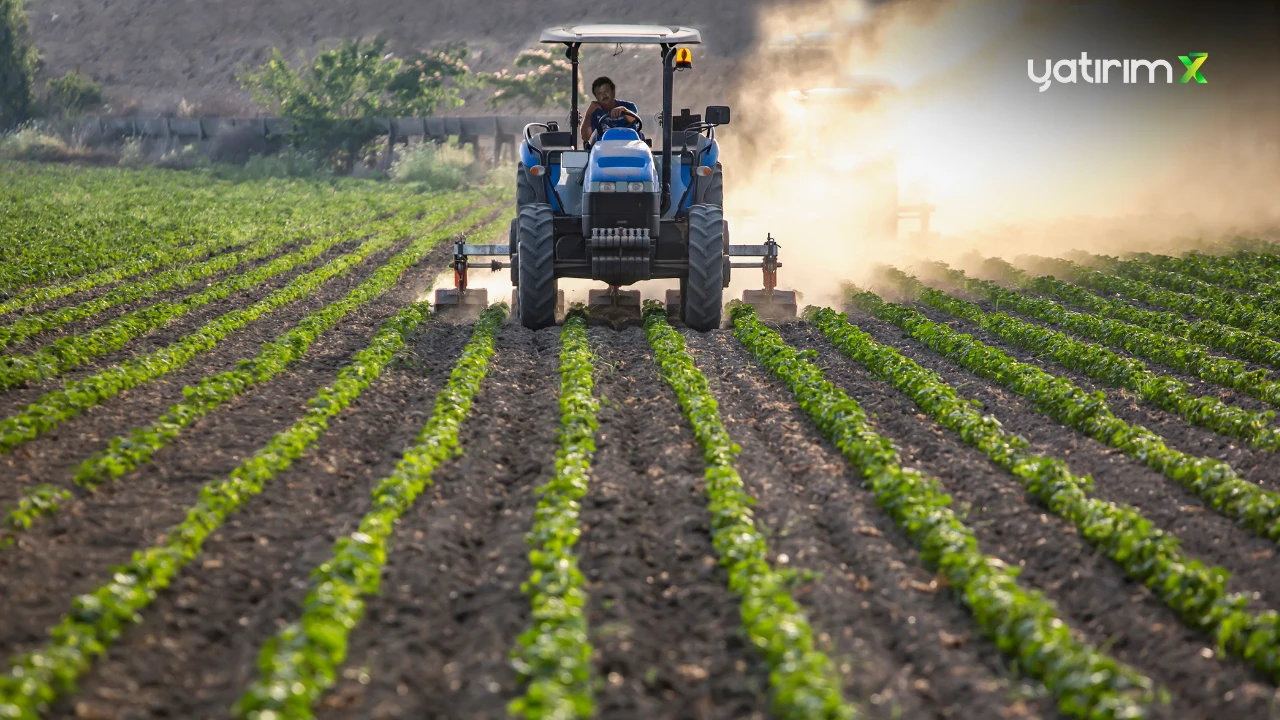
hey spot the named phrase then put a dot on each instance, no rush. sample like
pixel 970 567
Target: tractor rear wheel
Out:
pixel 702 290
pixel 537 266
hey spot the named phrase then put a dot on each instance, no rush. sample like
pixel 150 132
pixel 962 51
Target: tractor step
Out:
pixel 455 304
pixel 614 308
pixel 771 304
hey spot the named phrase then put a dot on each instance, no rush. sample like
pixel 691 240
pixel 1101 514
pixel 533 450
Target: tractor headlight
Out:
pixel 608 187
pixel 635 187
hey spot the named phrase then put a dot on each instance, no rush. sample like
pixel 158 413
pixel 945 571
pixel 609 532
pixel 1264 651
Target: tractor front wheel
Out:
pixel 702 291
pixel 536 266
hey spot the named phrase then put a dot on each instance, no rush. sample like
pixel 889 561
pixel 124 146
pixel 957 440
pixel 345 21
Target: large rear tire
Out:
pixel 702 292
pixel 537 266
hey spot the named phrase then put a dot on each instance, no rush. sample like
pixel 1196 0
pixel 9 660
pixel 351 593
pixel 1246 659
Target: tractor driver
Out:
pixel 606 104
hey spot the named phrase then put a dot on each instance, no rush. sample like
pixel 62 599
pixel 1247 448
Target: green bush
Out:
pixel 438 167
pixel 72 93
pixel 18 64
pixel 334 99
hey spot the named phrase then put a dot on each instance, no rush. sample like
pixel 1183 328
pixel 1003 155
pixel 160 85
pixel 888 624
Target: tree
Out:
pixel 72 93
pixel 334 99
pixel 541 80
pixel 18 64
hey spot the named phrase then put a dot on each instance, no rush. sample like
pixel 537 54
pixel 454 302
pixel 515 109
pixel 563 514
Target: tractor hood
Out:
pixel 625 160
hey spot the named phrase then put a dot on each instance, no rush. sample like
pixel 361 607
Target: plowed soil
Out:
pixel 435 641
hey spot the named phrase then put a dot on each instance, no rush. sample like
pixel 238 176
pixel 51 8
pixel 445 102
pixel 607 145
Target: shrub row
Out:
pixel 1225 270
pixel 82 228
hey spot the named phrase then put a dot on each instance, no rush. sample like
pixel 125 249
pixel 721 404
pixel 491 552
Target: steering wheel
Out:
pixel 633 122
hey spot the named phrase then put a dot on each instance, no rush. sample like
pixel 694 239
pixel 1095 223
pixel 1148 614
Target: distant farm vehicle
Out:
pixel 619 212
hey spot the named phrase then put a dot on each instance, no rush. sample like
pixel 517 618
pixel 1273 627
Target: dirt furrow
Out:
pixel 434 643
pixel 665 628
pixel 902 644
pixel 1195 384
pixel 16 399
pixel 1093 592
pixel 1204 533
pixel 1259 466
pixel 66 553
pixel 53 456
pixel 41 339
pixel 197 647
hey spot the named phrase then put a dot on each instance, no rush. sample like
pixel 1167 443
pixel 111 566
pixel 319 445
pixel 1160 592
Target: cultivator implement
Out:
pixel 462 302
pixel 612 306
pixel 770 302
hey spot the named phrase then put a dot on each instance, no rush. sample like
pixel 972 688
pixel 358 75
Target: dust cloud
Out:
pixel 850 112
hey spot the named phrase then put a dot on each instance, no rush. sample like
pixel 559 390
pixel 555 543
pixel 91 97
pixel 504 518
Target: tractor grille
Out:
pixel 620 256
pixel 621 210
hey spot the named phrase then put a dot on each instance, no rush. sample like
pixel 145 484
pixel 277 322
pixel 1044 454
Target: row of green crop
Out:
pixel 553 656
pixel 1106 367
pixel 300 662
pixel 64 226
pixel 1200 298
pixel 1086 682
pixel 1212 480
pixel 92 226
pixel 75 350
pixel 1222 270
pixel 54 407
pixel 1243 344
pixel 1245 283
pixel 1103 365
pixel 35 679
pixel 177 278
pixel 1197 593
pixel 1169 350
pixel 126 452
pixel 802 679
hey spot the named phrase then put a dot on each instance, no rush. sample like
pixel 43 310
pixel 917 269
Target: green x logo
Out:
pixel 1193 61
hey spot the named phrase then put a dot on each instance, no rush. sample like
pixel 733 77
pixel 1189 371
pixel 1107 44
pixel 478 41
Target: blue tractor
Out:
pixel 619 212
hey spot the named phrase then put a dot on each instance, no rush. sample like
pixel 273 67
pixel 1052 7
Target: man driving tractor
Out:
pixel 606 104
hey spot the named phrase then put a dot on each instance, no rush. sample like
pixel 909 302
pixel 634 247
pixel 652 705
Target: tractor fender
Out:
pixel 710 191
pixel 529 189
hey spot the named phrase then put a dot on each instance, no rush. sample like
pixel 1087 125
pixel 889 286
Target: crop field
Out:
pixel 246 471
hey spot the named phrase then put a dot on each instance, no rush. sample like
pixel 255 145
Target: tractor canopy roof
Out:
pixel 630 34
